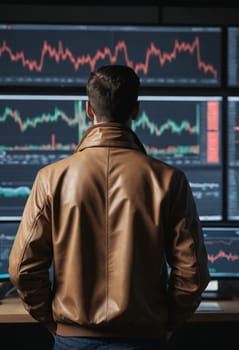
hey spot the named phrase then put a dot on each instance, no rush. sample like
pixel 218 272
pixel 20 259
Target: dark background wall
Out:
pixel 141 11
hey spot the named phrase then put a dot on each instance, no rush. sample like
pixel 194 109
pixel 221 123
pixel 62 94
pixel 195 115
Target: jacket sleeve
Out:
pixel 185 251
pixel 31 256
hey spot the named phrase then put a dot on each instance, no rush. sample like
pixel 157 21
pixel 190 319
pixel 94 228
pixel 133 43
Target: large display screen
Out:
pixel 183 131
pixel 35 130
pixel 64 55
pixel 188 115
pixel 232 148
pixel 233 56
pixel 222 244
pixel 8 232
pixel 186 131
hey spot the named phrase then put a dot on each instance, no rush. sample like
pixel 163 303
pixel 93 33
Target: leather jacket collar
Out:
pixel 110 135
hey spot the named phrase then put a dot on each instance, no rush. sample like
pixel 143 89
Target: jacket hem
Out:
pixel 81 331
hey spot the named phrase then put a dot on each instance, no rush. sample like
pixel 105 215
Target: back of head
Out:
pixel 113 92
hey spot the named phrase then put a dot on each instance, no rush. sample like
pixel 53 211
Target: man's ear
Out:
pixel 135 111
pixel 89 110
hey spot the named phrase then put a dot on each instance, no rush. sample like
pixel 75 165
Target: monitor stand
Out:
pixel 7 289
pixel 221 290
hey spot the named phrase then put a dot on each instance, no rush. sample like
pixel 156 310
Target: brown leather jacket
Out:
pixel 116 223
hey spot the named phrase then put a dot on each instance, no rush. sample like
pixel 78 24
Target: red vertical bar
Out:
pixel 53 141
pixel 213 131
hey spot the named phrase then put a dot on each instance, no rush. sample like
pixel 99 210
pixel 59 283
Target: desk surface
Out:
pixel 12 311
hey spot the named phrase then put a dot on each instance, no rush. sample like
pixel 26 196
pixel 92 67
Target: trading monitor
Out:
pixel 64 54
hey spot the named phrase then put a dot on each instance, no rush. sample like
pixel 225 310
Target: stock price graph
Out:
pixel 43 129
pixel 183 131
pixel 44 126
pixel 64 55
pixel 8 232
pixel 222 244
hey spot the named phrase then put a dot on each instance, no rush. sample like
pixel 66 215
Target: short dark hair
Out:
pixel 113 92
